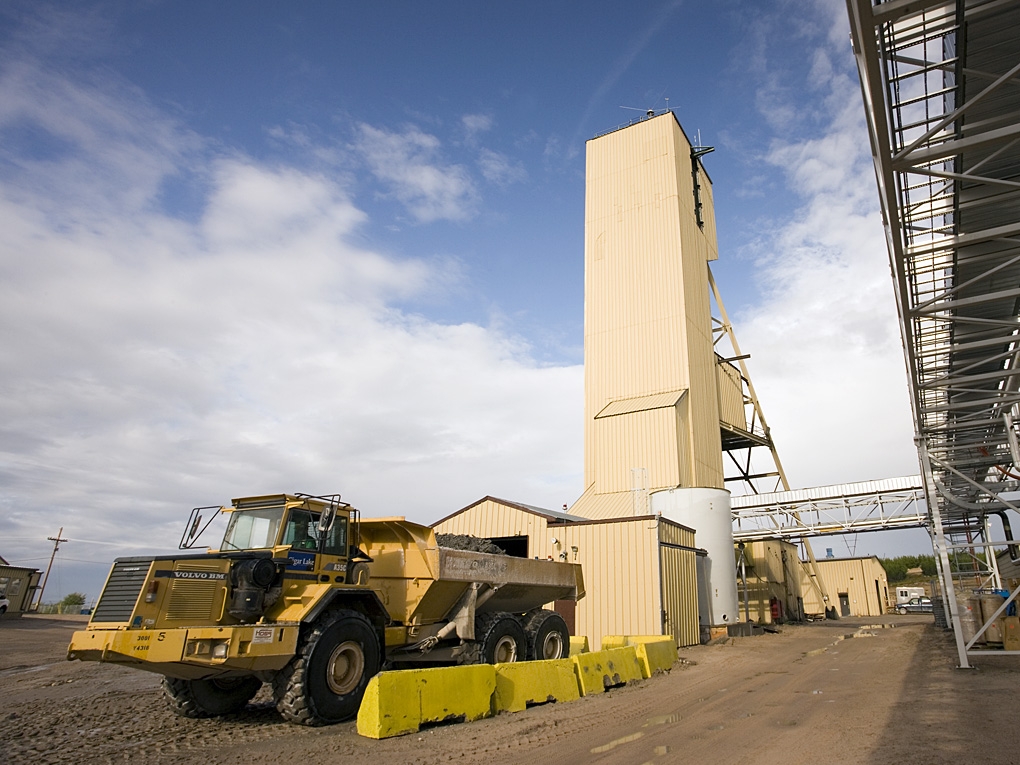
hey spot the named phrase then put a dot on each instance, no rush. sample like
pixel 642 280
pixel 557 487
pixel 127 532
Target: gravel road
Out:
pixel 827 692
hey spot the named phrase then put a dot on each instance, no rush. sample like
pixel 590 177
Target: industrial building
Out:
pixel 18 585
pixel 661 406
pixel 856 586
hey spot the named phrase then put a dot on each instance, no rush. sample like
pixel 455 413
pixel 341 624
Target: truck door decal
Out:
pixel 300 561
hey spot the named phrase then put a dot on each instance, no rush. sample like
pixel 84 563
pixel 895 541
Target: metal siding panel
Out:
pixel 646 292
pixel 854 576
pixel 621 578
pixel 637 440
pixel 494 519
pixel 731 396
pixel 641 404
pixel 675 534
pixel 601 506
pixel 680 594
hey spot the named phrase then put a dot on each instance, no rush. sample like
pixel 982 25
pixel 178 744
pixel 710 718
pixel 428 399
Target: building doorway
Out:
pixel 844 604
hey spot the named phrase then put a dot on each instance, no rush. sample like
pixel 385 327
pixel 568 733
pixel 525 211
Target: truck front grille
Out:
pixel 117 602
pixel 193 599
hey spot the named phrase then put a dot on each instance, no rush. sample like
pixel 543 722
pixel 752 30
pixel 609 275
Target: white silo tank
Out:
pixel 707 511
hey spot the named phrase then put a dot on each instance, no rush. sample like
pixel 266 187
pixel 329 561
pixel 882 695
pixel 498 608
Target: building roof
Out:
pixel 551 515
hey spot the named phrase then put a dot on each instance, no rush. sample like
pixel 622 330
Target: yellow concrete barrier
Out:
pixel 656 655
pixel 578 645
pixel 624 664
pixel 533 682
pixel 603 669
pixel 401 702
pixel 654 652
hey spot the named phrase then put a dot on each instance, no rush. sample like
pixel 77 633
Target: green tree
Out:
pixel 895 569
pixel 73 599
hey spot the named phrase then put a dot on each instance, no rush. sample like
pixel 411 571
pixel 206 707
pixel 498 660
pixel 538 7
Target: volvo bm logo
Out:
pixel 199 575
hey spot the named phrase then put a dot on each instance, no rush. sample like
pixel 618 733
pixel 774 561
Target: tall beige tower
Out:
pixel 652 382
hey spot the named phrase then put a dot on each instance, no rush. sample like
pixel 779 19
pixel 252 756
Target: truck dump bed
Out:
pixel 420 582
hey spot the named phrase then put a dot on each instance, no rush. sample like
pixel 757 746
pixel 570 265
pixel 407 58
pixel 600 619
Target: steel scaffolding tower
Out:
pixel 941 88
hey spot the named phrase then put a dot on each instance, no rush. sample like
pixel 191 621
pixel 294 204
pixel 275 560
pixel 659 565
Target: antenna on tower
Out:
pixel 648 112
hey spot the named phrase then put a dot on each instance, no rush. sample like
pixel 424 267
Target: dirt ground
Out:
pixel 827 692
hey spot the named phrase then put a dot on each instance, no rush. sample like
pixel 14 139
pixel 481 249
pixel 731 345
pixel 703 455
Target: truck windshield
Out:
pixel 253 529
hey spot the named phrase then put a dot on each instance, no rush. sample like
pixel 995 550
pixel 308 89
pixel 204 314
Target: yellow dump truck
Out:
pixel 307 596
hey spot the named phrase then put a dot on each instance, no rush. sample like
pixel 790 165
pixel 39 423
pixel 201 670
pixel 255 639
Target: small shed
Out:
pixel 639 571
pixel 18 585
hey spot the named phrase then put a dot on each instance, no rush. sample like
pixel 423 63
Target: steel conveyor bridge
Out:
pixel 894 503
pixel 941 87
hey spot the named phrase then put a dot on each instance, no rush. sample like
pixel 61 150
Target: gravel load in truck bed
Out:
pixel 468 542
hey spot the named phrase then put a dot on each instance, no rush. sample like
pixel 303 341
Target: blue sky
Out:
pixel 253 247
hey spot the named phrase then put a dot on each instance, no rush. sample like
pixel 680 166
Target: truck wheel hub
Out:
pixel 345 668
pixel 505 650
pixel 552 646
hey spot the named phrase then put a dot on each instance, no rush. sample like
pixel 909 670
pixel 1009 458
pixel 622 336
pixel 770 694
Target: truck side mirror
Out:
pixel 326 520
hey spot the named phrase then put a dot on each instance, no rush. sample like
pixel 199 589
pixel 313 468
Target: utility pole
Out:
pixel 56 546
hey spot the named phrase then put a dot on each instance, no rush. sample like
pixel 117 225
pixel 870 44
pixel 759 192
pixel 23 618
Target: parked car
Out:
pixel 915 606
pixel 4 605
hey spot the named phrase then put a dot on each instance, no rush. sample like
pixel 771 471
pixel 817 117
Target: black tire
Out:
pixel 3 610
pixel 209 698
pixel 500 639
pixel 901 611
pixel 547 634
pixel 324 682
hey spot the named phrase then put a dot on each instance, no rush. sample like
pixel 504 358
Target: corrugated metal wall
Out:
pixel 674 533
pixel 647 317
pixel 857 578
pixel 490 519
pixel 598 506
pixel 620 563
pixel 678 564
pixel 731 396
pixel 638 439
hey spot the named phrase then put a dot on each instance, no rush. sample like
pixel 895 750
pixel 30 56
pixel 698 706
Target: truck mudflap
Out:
pixel 191 653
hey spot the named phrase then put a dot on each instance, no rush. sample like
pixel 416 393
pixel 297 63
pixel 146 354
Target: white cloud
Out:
pixel 410 165
pixel 826 356
pixel 476 123
pixel 151 362
pixel 500 169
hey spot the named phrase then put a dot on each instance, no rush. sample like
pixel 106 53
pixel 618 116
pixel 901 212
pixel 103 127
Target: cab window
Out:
pixel 336 537
pixel 300 532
